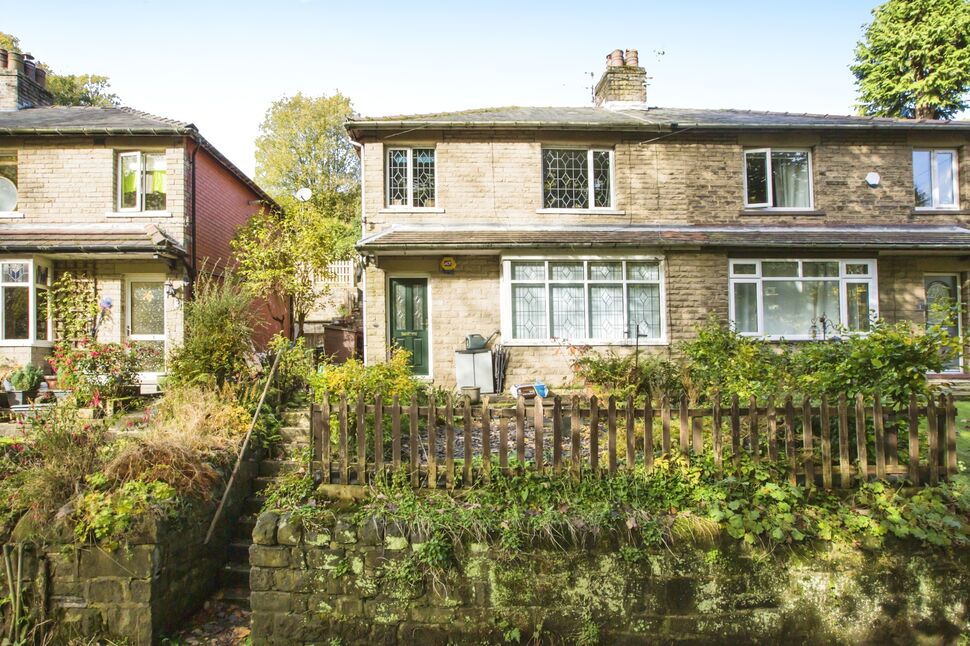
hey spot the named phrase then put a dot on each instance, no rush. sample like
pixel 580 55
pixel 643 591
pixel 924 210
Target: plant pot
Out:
pixel 474 393
pixel 20 397
pixel 51 382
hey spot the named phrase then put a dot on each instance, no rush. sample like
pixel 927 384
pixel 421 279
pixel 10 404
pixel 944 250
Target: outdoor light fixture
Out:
pixel 873 179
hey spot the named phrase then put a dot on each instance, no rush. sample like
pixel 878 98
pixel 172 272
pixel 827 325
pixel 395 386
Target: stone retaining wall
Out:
pixel 355 583
pixel 136 593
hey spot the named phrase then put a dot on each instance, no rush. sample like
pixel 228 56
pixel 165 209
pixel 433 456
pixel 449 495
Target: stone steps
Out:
pixel 234 577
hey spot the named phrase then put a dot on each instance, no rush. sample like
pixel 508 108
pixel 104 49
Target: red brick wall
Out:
pixel 223 205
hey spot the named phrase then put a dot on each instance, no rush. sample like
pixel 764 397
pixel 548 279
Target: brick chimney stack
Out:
pixel 22 83
pixel 624 82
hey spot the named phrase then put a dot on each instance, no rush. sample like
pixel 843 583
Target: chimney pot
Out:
pixel 632 59
pixel 623 83
pixel 40 76
pixel 616 58
pixel 15 61
pixel 3 59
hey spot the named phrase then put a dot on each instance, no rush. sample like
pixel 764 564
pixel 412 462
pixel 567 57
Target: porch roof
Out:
pixel 87 239
pixel 436 238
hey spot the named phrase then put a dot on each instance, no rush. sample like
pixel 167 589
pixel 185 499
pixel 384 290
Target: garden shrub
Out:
pixel 219 324
pixel 26 378
pixel 393 377
pixel 96 372
pixel 611 373
pixel 296 366
pixel 104 515
pixel 74 307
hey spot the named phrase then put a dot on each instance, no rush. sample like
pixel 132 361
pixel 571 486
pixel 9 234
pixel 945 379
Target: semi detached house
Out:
pixel 139 204
pixel 622 223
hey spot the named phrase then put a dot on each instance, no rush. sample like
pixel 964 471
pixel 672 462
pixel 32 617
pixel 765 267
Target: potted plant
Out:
pixel 24 383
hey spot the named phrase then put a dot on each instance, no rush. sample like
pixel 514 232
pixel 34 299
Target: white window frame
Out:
pixel 32 290
pixel 767 206
pixel 410 179
pixel 590 192
pixel 844 279
pixel 506 298
pixel 934 180
pixel 140 187
pixel 130 279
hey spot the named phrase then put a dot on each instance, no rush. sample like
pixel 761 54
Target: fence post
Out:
pixel 753 431
pixel 716 429
pixel 449 442
pixel 772 429
pixel 486 440
pixel 933 435
pixel 396 433
pixel 557 434
pixel 503 445
pixel 432 443
pixel 539 422
pixel 611 434
pixel 325 437
pixel 825 434
pixel 878 425
pixel 684 433
pixel 665 425
pixel 378 436
pixel 913 440
pixel 735 431
pixel 790 438
pixel 594 438
pixel 861 438
pixel 808 450
pixel 344 443
pixel 575 428
pixel 845 463
pixel 648 433
pixel 467 442
pixel 361 440
pixel 520 432
pixel 631 434
pixel 413 441
pixel 951 436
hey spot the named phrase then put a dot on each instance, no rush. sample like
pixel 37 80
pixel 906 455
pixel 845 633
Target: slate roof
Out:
pixel 88 238
pixel 638 118
pixel 90 121
pixel 435 238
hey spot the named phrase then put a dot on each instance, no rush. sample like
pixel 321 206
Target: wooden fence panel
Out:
pixel 665 421
pixel 413 441
pixel 913 440
pixel 808 448
pixel 557 434
pixel 790 439
pixel 648 435
pixel 845 464
pixel 486 440
pixel 879 436
pixel 716 431
pixel 611 434
pixel 378 436
pixel 594 436
pixel 735 432
pixel 575 426
pixel 933 436
pixel 343 447
pixel 538 409
pixel 631 434
pixel 861 438
pixel 449 442
pixel 520 431
pixel 951 436
pixel 395 433
pixel 467 442
pixel 754 435
pixel 825 436
pixel 684 437
pixel 432 445
pixel 360 468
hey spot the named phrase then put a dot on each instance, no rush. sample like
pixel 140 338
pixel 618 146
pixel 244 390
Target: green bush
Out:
pixel 219 325
pixel 393 377
pixel 26 378
pixel 296 366
pixel 621 375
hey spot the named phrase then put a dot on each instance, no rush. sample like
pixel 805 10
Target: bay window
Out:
pixel 935 179
pixel 592 300
pixel 577 178
pixel 24 315
pixel 777 179
pixel 796 299
pixel 411 177
pixel 141 181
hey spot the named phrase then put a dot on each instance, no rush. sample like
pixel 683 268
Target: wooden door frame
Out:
pixel 387 315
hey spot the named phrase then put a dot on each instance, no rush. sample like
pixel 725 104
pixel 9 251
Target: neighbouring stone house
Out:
pixel 138 203
pixel 563 227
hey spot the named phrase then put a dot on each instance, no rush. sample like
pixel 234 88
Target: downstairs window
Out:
pixel 795 299
pixel 594 301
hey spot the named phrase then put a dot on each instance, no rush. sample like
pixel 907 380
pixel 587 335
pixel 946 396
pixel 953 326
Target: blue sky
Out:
pixel 220 64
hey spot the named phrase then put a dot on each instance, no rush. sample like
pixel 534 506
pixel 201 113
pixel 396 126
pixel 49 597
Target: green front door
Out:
pixel 409 320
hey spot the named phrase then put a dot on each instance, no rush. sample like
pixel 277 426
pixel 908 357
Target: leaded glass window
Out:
pixel 577 179
pixel 146 322
pixel 15 301
pixel 411 177
pixel 802 299
pixel 589 300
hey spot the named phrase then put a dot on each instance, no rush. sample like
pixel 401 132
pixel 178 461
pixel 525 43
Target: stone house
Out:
pixel 623 224
pixel 138 203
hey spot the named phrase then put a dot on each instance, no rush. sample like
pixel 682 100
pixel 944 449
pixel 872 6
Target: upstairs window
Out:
pixel 935 179
pixel 411 177
pixel 777 179
pixel 577 179
pixel 141 181
pixel 8 180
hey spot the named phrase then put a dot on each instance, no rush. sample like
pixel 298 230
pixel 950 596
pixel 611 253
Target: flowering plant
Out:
pixel 96 371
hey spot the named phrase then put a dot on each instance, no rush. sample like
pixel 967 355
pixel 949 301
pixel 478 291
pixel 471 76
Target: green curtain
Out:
pixel 157 182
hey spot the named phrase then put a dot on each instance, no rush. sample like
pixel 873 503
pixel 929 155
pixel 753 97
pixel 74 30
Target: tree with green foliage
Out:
pixel 303 144
pixel 288 254
pixel 914 61
pixel 70 89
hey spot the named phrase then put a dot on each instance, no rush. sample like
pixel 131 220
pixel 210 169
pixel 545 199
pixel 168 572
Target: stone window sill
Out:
pixel 405 209
pixel 783 212
pixel 11 215
pixel 580 212
pixel 138 214
pixel 940 212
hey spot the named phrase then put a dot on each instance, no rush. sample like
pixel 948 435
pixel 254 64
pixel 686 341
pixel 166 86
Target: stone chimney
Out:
pixel 22 83
pixel 624 83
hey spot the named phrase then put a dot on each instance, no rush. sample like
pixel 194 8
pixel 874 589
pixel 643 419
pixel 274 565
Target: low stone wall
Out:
pixel 135 593
pixel 355 583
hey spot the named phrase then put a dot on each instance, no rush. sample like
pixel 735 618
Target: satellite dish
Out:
pixel 304 194
pixel 8 195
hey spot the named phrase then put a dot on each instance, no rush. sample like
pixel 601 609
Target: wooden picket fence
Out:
pixel 350 439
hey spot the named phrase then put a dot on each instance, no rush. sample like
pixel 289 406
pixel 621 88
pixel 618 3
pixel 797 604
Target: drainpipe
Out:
pixel 363 232
pixel 195 258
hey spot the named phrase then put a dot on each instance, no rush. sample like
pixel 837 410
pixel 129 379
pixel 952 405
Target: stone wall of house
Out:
pixel 354 583
pixel 689 178
pixel 74 181
pixel 132 594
